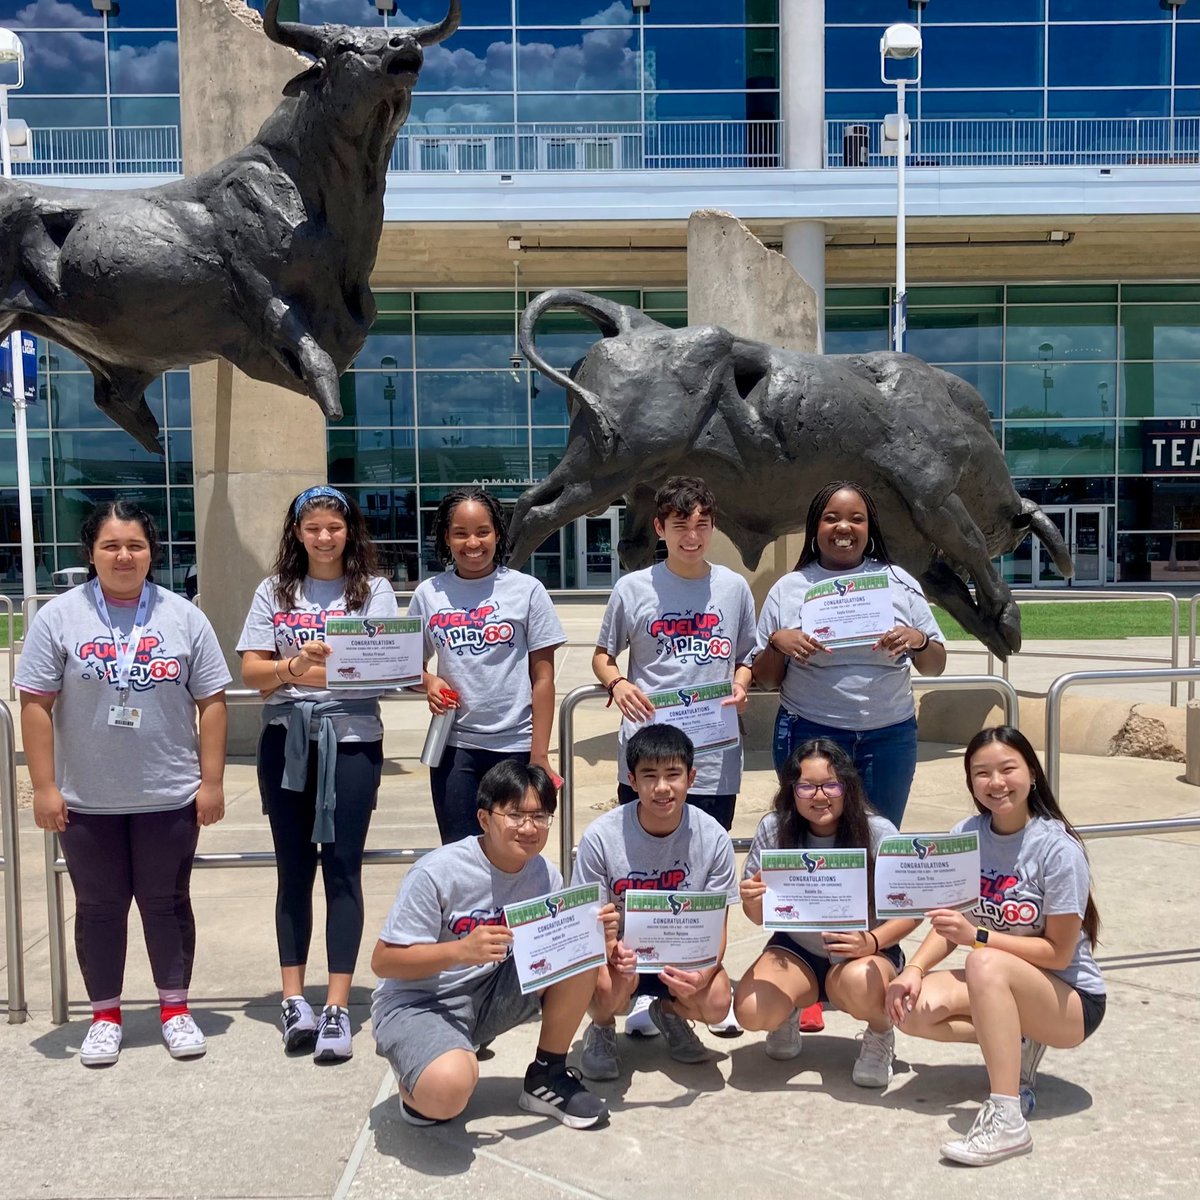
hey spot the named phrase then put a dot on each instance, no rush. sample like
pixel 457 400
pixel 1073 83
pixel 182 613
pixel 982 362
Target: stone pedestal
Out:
pixel 254 446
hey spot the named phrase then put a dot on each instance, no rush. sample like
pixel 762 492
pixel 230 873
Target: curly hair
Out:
pixel 359 560
pixel 445 513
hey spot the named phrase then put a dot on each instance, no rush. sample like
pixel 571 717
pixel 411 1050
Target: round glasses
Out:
pixel 806 791
pixel 516 820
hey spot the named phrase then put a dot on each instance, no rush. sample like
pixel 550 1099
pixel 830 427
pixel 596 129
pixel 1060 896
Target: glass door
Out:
pixel 1045 573
pixel 1088 538
pixel 596 549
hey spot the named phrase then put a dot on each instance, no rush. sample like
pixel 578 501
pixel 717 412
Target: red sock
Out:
pixel 167 1011
pixel 107 1014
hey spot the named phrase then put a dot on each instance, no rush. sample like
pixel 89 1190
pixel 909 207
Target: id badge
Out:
pixel 123 717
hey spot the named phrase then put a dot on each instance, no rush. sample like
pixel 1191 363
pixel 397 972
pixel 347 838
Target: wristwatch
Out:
pixel 981 937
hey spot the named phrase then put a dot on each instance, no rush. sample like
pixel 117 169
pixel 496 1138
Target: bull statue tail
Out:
pixel 1050 536
pixel 611 318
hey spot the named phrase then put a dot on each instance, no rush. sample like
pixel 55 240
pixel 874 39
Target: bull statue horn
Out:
pixel 306 38
pixel 430 35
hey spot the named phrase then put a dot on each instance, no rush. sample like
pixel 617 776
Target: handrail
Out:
pixel 29 607
pixel 10 864
pixel 1072 679
pixel 56 867
pixel 1193 617
pixel 6 605
pixel 593 691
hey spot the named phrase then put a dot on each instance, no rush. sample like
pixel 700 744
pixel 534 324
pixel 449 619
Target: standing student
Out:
pixel 686 622
pixel 821 805
pixel 494 632
pixel 660 843
pixel 112 678
pixel 1030 980
pixel 320 753
pixel 448 981
pixel 859 696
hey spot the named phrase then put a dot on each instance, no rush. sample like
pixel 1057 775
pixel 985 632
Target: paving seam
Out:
pixel 364 1136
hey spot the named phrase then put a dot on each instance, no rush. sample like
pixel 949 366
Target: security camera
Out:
pixel 516 361
pixel 900 41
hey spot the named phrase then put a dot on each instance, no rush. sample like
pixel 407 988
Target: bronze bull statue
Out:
pixel 767 428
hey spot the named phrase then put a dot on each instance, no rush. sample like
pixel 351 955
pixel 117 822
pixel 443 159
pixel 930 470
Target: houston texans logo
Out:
pixel 923 847
pixel 678 904
pixel 371 629
pixel 812 862
pixel 688 698
pixel 553 906
pixel 843 586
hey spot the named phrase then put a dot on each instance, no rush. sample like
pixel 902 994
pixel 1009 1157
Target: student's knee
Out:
pixel 986 968
pixel 612 993
pixel 712 1004
pixel 857 987
pixel 444 1088
pixel 749 1008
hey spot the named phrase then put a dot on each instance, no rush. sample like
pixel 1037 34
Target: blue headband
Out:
pixel 323 492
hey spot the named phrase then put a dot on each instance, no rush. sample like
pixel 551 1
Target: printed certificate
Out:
pixel 815 889
pixel 373 651
pixel 929 870
pixel 556 936
pixel 852 611
pixel 701 713
pixel 674 929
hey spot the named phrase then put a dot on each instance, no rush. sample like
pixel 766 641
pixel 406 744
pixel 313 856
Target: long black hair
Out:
pixel 445 514
pixel 853 827
pixel 1041 799
pixel 876 545
pixel 117 510
pixel 359 560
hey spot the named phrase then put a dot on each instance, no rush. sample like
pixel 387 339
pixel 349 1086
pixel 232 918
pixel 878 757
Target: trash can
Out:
pixel 856 145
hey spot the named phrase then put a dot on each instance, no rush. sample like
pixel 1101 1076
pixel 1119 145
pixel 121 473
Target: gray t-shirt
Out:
pixel 445 895
pixel 69 651
pixel 682 632
pixel 1025 877
pixel 284 631
pixel 854 687
pixel 766 837
pixel 619 855
pixel 483 631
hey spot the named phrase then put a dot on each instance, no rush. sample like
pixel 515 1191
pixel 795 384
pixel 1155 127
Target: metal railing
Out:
pixel 593 691
pixel 589 146
pixel 104 150
pixel 1193 661
pixel 1065 596
pixel 56 867
pixel 1021 142
pixel 10 864
pixel 6 606
pixel 1054 697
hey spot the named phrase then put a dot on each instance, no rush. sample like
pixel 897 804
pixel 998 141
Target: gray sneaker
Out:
pixel 333 1042
pixel 992 1138
pixel 874 1066
pixel 599 1058
pixel 1031 1057
pixel 785 1042
pixel 682 1043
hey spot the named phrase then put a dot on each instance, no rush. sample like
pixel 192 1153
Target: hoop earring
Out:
pixel 870 547
pixel 814 546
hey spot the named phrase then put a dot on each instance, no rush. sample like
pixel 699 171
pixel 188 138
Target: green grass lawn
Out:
pixel 1084 620
pixel 18 624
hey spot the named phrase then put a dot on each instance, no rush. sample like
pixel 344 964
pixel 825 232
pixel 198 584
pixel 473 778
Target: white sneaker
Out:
pixel 728 1026
pixel 993 1138
pixel 101 1044
pixel 638 1023
pixel 334 1043
pixel 874 1066
pixel 785 1042
pixel 1031 1057
pixel 599 1058
pixel 183 1037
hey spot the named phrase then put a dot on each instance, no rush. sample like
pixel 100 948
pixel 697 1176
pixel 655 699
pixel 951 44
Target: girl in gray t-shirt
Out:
pixel 1030 980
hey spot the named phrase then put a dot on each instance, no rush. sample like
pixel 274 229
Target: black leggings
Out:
pixel 291 815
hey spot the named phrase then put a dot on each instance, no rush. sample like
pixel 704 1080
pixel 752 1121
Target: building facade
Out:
pixel 1053 258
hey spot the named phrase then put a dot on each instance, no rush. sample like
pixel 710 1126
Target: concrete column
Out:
pixel 254 446
pixel 804 248
pixel 802 59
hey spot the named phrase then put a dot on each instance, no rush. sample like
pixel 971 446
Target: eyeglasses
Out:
pixel 516 820
pixel 806 791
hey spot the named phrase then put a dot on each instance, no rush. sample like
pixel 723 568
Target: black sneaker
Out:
pixel 558 1092
pixel 419 1119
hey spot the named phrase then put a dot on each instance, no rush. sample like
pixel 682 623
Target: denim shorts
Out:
pixel 820 966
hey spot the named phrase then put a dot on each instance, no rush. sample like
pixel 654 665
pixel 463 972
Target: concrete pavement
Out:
pixel 1116 1117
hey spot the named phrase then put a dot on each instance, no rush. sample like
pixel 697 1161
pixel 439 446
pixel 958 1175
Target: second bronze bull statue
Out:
pixel 767 428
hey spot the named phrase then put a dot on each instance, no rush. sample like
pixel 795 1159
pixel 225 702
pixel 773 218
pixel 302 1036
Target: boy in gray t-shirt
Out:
pixel 661 843
pixel 686 623
pixel 448 980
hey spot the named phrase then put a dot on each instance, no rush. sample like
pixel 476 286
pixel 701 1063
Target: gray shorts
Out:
pixel 412 1030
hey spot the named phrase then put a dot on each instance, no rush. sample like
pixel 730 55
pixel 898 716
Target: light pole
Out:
pixel 1045 350
pixel 899 44
pixel 11 51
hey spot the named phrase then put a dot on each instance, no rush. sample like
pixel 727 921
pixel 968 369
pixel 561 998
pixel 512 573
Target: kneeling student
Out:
pixel 661 843
pixel 448 982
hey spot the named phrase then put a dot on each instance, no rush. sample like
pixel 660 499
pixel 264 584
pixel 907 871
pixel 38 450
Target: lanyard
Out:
pixel 125 651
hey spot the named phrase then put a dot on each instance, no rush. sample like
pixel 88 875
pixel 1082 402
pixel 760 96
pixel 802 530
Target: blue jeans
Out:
pixel 886 758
